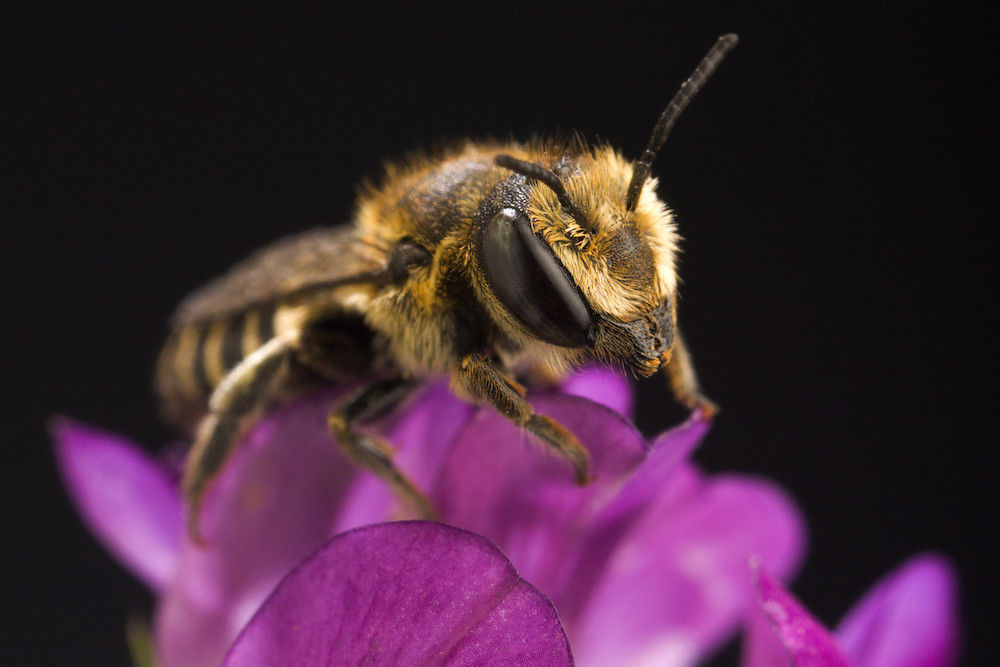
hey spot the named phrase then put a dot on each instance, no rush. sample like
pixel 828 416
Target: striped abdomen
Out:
pixel 198 356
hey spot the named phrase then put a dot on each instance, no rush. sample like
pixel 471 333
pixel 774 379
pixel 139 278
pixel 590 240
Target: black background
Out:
pixel 831 182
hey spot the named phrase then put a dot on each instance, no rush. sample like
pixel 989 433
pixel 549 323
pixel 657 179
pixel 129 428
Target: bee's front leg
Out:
pixel 369 451
pixel 477 376
pixel 684 381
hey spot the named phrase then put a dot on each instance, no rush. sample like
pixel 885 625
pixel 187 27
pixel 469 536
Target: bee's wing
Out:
pixel 310 260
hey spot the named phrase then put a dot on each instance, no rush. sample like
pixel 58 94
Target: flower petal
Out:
pixel 501 483
pixel 663 477
pixel 782 631
pixel 909 619
pixel 602 385
pixel 668 451
pixel 270 506
pixel 407 593
pixel 126 498
pixel 676 584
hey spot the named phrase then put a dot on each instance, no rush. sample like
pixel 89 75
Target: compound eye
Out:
pixel 531 283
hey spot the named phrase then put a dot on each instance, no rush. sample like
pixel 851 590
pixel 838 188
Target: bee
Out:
pixel 490 262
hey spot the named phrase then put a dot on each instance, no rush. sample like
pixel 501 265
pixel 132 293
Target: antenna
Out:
pixel 669 116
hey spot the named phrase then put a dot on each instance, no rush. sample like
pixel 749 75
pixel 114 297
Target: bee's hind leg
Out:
pixel 369 451
pixel 236 403
pixel 479 377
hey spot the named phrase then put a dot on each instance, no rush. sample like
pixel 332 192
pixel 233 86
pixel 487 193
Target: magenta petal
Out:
pixel 667 452
pixel 676 585
pixel 271 506
pixel 127 499
pixel 408 593
pixel 909 619
pixel 602 385
pixel 664 477
pixel 781 626
pixel 501 483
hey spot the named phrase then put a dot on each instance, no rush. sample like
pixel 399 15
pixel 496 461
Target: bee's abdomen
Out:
pixel 198 356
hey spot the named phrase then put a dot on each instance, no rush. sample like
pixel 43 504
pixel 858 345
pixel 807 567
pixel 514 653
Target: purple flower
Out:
pixel 646 565
pixel 907 620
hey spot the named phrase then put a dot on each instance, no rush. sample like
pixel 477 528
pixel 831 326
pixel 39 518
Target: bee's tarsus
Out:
pixel 565 443
pixel 371 452
pixel 709 409
pixel 479 377
pixel 684 380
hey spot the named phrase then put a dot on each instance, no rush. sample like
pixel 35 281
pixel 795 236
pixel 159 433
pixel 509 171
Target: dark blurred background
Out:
pixel 834 184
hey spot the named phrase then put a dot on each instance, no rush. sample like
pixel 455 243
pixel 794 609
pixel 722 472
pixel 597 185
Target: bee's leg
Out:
pixel 479 377
pixel 235 404
pixel 369 451
pixel 684 381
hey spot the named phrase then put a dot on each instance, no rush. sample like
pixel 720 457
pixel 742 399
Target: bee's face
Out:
pixel 601 279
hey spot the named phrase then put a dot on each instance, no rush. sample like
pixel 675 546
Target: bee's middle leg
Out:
pixel 479 377
pixel 370 452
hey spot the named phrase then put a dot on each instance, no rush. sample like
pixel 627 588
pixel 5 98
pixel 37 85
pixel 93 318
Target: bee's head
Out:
pixel 580 251
pixel 572 266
